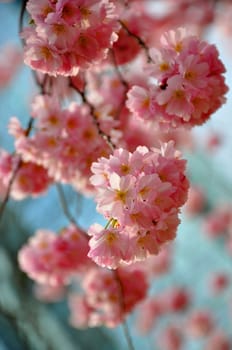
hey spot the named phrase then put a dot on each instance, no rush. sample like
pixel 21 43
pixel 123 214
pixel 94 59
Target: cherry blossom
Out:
pixel 30 180
pixel 52 259
pixel 66 36
pixel 189 83
pixel 106 299
pixel 140 193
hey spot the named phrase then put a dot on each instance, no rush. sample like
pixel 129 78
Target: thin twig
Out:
pixel 8 190
pixel 140 41
pixel 14 173
pixel 22 11
pixel 106 137
pixel 123 81
pixel 122 304
pixel 127 335
pixel 64 204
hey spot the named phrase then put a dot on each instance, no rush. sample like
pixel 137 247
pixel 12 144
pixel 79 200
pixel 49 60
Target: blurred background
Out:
pixel 200 263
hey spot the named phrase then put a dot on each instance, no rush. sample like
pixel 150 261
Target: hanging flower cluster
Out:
pixel 107 298
pixel 59 141
pixel 53 259
pixel 188 82
pixel 65 35
pixel 104 52
pixel 140 193
pixel 31 179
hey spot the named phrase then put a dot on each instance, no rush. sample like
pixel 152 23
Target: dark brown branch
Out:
pixel 64 204
pixel 22 12
pixel 7 194
pixel 93 114
pixel 140 41
pixel 123 81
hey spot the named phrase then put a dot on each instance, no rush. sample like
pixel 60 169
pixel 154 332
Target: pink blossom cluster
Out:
pixel 53 259
pixel 187 83
pixel 67 35
pixel 31 179
pixel 65 141
pixel 140 193
pixel 107 297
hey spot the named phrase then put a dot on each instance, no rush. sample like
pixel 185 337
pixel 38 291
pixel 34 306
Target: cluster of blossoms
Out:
pixel 107 92
pixel 30 180
pixel 140 193
pixel 107 297
pixel 60 138
pixel 52 259
pixel 90 46
pixel 65 35
pixel 188 83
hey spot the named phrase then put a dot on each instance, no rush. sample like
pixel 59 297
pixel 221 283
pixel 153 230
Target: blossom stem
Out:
pixel 108 223
pixel 64 204
pixel 7 194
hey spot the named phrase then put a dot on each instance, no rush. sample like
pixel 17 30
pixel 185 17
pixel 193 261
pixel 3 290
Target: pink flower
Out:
pixel 108 247
pixel 40 10
pixel 118 197
pixel 176 99
pixel 139 102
